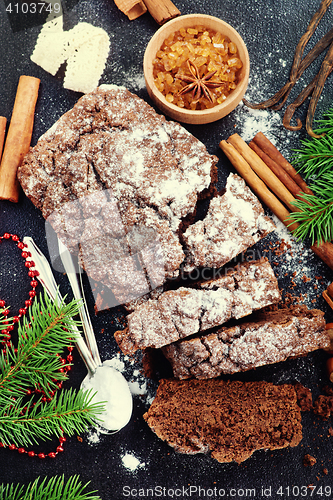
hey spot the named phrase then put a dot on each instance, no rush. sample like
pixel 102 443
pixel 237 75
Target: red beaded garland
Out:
pixel 32 273
pixel 33 283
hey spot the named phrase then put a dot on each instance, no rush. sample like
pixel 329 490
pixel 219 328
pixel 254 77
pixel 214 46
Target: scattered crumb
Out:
pixel 309 460
pixel 304 397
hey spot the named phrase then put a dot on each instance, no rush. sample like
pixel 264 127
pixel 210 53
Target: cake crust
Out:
pixel 234 222
pixel 270 337
pixel 179 313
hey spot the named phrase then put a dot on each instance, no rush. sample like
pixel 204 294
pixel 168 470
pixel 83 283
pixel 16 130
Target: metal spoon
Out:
pixel 107 383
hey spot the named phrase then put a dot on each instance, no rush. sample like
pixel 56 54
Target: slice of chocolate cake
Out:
pixel 234 222
pixel 230 420
pixel 176 314
pixel 270 337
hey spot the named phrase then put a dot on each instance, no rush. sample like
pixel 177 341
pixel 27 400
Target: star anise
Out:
pixel 199 85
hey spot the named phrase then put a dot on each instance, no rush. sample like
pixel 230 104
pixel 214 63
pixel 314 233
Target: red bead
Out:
pixel 29 263
pixel 52 454
pixel 20 245
pixel 32 293
pixel 10 328
pixel 16 319
pixel 70 348
pixel 6 236
pixel 28 303
pixel 2 303
pixel 15 237
pixel 60 449
pixel 2 445
pixel 69 358
pixel 5 312
pixel 25 255
pixel 31 453
pixel 31 274
pixel 21 450
pixel 22 311
pixel 33 283
pixel 62 439
pixel 12 447
pixel 41 455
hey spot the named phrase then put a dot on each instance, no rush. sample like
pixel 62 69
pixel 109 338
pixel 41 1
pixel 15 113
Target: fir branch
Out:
pixel 326 123
pixel 315 157
pixel 34 363
pixel 68 412
pixel 53 489
pixel 315 161
pixel 315 218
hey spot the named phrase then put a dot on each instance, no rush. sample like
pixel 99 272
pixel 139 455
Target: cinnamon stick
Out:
pixel 162 10
pixel 256 184
pixel 265 144
pixel 131 8
pixel 278 171
pixel 18 137
pixel 263 171
pixel 3 123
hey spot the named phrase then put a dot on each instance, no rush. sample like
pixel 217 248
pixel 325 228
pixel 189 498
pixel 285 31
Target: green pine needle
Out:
pixel 53 489
pixel 35 364
pixel 47 331
pixel 68 412
pixel 315 161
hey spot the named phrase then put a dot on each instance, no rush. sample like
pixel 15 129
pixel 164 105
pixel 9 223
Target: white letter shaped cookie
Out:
pixel 85 48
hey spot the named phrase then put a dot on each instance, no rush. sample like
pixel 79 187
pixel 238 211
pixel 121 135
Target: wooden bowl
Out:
pixel 187 115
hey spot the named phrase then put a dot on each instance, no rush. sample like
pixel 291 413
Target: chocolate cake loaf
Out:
pixel 269 337
pixel 176 314
pixel 105 173
pixel 229 419
pixel 234 222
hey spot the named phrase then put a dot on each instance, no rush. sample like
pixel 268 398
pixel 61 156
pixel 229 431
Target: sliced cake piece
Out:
pixel 229 419
pixel 234 222
pixel 270 337
pixel 176 314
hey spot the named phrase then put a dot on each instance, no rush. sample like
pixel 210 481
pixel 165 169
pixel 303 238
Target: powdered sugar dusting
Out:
pixel 131 462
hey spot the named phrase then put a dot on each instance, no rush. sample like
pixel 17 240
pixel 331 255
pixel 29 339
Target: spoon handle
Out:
pixel 78 292
pixel 47 279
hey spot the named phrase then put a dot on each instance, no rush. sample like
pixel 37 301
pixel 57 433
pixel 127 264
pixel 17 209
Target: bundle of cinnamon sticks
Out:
pixel 273 179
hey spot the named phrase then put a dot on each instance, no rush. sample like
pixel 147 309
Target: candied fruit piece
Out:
pixel 234 62
pixel 192 31
pixel 168 78
pixel 169 97
pixel 200 61
pixel 232 48
pixel 221 99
